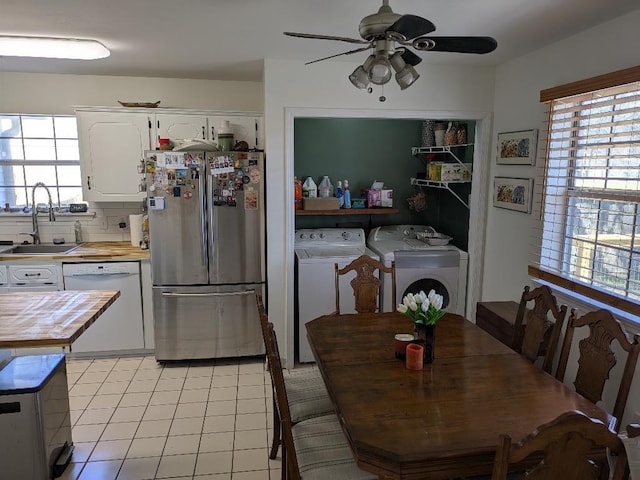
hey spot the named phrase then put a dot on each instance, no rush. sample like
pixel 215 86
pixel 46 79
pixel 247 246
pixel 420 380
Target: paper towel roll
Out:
pixel 135 227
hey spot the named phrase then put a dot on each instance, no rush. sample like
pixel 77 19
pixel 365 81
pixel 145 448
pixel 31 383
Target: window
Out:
pixel 591 199
pixel 39 148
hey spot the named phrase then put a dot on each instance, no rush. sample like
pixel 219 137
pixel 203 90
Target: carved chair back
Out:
pixel 567 444
pixel 366 285
pixel 538 327
pixel 597 358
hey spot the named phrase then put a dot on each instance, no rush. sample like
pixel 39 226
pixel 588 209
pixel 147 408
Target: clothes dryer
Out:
pixel 420 266
pixel 317 251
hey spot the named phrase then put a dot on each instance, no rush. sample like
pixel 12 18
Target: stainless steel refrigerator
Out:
pixel 206 237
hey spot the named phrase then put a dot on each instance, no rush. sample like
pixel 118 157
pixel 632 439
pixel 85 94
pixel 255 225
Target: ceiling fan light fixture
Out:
pixel 47 47
pixel 359 78
pixel 380 71
pixel 406 75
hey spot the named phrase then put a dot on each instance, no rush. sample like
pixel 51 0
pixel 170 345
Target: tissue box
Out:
pixel 321 203
pixel 378 198
pixel 449 172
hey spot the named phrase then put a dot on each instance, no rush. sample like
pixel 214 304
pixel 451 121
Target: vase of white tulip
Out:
pixel 425 310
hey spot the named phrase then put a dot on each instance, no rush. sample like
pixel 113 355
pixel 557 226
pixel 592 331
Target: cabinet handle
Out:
pixel 32 274
pixel 213 133
pixel 88 182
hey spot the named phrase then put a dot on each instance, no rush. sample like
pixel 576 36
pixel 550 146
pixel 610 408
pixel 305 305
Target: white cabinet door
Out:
pixel 247 128
pixel 111 147
pixel 178 127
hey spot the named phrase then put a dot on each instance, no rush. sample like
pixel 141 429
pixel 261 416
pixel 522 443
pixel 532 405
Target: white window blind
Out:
pixel 590 211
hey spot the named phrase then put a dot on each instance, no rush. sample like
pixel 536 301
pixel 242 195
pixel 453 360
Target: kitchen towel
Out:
pixel 135 227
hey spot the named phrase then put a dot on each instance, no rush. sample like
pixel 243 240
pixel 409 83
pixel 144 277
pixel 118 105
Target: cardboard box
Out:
pixel 321 203
pixel 449 172
pixel 378 198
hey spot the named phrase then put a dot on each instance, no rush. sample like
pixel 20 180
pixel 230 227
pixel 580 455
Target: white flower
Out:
pixel 432 294
pixel 402 308
pixel 406 301
pixel 411 297
pixel 413 306
pixel 437 302
pixel 418 299
pixel 425 307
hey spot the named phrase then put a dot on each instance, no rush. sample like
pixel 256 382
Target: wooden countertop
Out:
pixel 39 319
pixel 88 251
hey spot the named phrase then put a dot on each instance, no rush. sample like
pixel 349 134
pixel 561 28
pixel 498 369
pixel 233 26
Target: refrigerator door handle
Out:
pixel 228 294
pixel 204 255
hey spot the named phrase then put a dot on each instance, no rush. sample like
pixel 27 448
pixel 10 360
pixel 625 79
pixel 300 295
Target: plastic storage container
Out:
pixel 340 194
pixel 309 188
pixel 325 189
pixel 347 194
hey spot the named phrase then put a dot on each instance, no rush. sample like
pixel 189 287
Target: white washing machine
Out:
pixel 420 266
pixel 317 252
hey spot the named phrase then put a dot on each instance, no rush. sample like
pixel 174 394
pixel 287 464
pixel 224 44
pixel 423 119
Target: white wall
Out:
pixel 441 90
pixel 510 235
pixel 58 94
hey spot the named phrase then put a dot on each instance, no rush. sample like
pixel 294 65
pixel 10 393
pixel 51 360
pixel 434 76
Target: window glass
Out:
pixel 39 148
pixel 37 127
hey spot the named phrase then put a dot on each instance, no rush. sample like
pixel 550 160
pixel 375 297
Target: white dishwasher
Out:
pixel 120 326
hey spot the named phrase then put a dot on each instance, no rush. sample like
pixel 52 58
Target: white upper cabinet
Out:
pixel 247 128
pixel 178 127
pixel 111 148
pixel 113 141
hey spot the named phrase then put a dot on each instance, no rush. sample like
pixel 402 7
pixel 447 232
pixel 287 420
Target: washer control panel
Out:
pixel 329 236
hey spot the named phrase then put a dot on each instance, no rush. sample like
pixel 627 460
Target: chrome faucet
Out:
pixel 34 212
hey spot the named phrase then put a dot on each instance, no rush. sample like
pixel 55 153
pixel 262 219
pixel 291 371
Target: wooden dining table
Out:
pixel 440 422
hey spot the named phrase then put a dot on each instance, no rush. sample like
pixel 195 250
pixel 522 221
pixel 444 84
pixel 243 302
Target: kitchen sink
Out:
pixel 40 249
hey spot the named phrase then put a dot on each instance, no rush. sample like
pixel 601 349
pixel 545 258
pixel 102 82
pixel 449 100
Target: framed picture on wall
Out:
pixel 517 148
pixel 513 193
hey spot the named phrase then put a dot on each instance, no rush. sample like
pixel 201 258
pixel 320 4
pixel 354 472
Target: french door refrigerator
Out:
pixel 206 239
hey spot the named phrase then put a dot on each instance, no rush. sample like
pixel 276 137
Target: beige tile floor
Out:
pixel 135 419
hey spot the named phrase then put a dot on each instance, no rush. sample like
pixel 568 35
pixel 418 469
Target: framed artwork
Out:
pixel 513 193
pixel 517 148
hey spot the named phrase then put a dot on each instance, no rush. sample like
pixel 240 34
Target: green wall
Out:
pixel 364 150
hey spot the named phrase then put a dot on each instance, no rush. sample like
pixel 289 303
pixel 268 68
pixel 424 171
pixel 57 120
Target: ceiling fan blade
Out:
pixel 326 37
pixel 478 45
pixel 410 26
pixel 339 54
pixel 410 58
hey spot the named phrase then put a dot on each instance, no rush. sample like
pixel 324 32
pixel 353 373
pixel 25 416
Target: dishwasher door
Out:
pixel 120 326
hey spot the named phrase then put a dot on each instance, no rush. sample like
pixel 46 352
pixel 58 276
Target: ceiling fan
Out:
pixel 391 36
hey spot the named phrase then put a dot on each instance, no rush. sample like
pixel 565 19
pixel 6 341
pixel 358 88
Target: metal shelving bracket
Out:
pixel 441 185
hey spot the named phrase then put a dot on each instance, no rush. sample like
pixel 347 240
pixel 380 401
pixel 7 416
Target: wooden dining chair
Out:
pixel 631 440
pixel 366 286
pixel 313 449
pixel 538 327
pixel 567 444
pixel 597 358
pixel 308 397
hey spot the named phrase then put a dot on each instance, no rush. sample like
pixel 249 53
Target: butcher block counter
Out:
pixel 39 319
pixel 88 251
